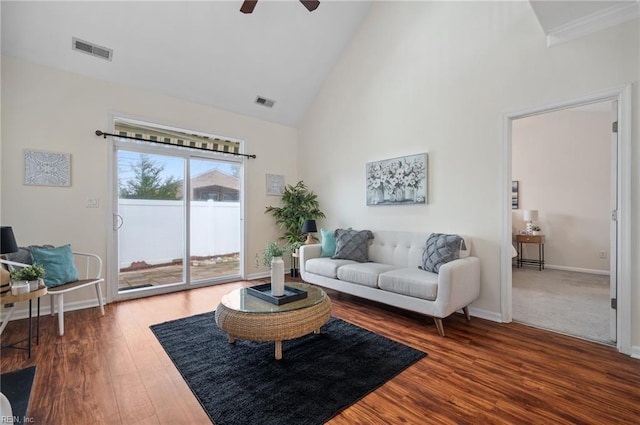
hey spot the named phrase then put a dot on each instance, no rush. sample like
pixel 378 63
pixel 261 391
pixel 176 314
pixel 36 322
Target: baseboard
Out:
pixel 484 314
pixel 635 352
pixel 577 269
pixel 45 309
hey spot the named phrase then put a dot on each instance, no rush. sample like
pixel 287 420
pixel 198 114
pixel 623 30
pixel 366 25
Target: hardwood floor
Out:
pixel 112 370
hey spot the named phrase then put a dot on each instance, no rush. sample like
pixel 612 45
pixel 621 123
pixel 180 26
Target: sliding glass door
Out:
pixel 214 204
pixel 151 220
pixel 178 220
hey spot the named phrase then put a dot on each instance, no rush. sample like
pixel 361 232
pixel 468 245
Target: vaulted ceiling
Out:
pixel 207 51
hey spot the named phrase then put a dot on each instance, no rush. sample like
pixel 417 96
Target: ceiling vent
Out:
pixel 91 49
pixel 265 102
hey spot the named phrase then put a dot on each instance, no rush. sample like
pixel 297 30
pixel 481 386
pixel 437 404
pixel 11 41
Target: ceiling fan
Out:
pixel 249 5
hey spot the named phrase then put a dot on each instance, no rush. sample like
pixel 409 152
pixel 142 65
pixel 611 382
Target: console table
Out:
pixel 530 239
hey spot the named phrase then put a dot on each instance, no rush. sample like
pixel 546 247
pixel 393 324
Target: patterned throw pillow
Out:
pixel 352 245
pixel 440 249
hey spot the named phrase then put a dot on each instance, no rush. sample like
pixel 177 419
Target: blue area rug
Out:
pixel 319 375
pixel 16 386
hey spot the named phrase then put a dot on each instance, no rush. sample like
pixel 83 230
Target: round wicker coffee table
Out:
pixel 246 317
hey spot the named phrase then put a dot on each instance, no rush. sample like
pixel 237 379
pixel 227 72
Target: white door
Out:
pixel 178 220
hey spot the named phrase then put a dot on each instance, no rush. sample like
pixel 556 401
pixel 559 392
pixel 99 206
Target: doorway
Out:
pixel 620 262
pixel 177 218
pixel 563 165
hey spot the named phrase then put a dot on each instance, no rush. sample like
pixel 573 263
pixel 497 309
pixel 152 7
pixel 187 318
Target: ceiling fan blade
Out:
pixel 311 5
pixel 248 6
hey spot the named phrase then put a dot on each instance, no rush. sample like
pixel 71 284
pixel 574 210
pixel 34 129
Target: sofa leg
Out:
pixel 439 325
pixel 466 313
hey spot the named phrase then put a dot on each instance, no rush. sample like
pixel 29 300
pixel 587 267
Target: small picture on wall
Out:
pixel 397 181
pixel 275 184
pixel 47 168
pixel 514 195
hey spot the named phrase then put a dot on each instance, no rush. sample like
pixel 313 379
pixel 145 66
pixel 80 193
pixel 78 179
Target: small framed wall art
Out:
pixel 275 184
pixel 514 195
pixel 47 168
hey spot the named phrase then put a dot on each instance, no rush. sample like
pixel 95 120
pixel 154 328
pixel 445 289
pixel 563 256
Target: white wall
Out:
pixel 562 161
pixel 437 77
pixel 51 110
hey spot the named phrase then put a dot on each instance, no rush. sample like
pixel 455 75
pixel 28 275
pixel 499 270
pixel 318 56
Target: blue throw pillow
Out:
pixel 58 264
pixel 328 243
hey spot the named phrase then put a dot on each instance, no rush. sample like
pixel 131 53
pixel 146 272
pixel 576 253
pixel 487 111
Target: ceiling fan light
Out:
pixel 248 6
pixel 311 5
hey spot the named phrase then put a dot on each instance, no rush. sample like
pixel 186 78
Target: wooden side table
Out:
pixel 10 300
pixel 532 239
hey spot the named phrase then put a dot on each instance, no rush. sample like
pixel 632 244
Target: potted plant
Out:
pixel 272 257
pixel 298 204
pixel 272 251
pixel 30 276
pixel 535 230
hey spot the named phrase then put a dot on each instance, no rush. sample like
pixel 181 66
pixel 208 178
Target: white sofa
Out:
pixel 393 275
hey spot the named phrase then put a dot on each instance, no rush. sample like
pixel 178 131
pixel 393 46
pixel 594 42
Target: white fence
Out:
pixel 152 231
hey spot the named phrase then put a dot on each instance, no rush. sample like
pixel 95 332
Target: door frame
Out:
pixel 112 240
pixel 621 94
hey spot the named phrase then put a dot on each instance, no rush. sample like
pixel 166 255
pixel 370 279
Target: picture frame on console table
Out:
pixel 397 181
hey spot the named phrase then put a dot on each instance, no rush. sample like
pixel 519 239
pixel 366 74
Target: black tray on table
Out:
pixel 264 292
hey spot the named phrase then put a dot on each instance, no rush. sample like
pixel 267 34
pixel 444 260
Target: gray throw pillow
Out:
pixel 24 254
pixel 440 249
pixel 352 245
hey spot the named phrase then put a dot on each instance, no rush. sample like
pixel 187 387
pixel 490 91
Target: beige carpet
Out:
pixel 571 303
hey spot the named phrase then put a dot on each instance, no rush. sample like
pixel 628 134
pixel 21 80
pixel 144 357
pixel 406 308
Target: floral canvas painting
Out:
pixel 397 181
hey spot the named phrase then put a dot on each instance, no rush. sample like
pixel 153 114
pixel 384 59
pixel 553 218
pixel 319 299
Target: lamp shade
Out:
pixel 7 240
pixel 530 215
pixel 309 226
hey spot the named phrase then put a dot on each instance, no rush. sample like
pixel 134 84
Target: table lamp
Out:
pixel 529 216
pixel 7 245
pixel 309 227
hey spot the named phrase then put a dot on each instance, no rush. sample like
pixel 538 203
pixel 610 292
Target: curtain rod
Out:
pixel 102 133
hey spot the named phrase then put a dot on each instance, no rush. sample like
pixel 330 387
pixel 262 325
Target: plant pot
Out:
pixel 34 285
pixel 19 287
pixel 277 276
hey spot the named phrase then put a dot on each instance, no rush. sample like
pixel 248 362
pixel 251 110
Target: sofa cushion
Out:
pixel 325 266
pixel 363 273
pixel 440 249
pixel 328 243
pixel 412 282
pixel 352 245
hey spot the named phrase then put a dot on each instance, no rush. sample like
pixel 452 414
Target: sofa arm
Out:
pixel 458 285
pixel 307 252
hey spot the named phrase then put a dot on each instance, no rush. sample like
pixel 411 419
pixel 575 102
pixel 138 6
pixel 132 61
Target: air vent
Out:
pixel 265 102
pixel 91 49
